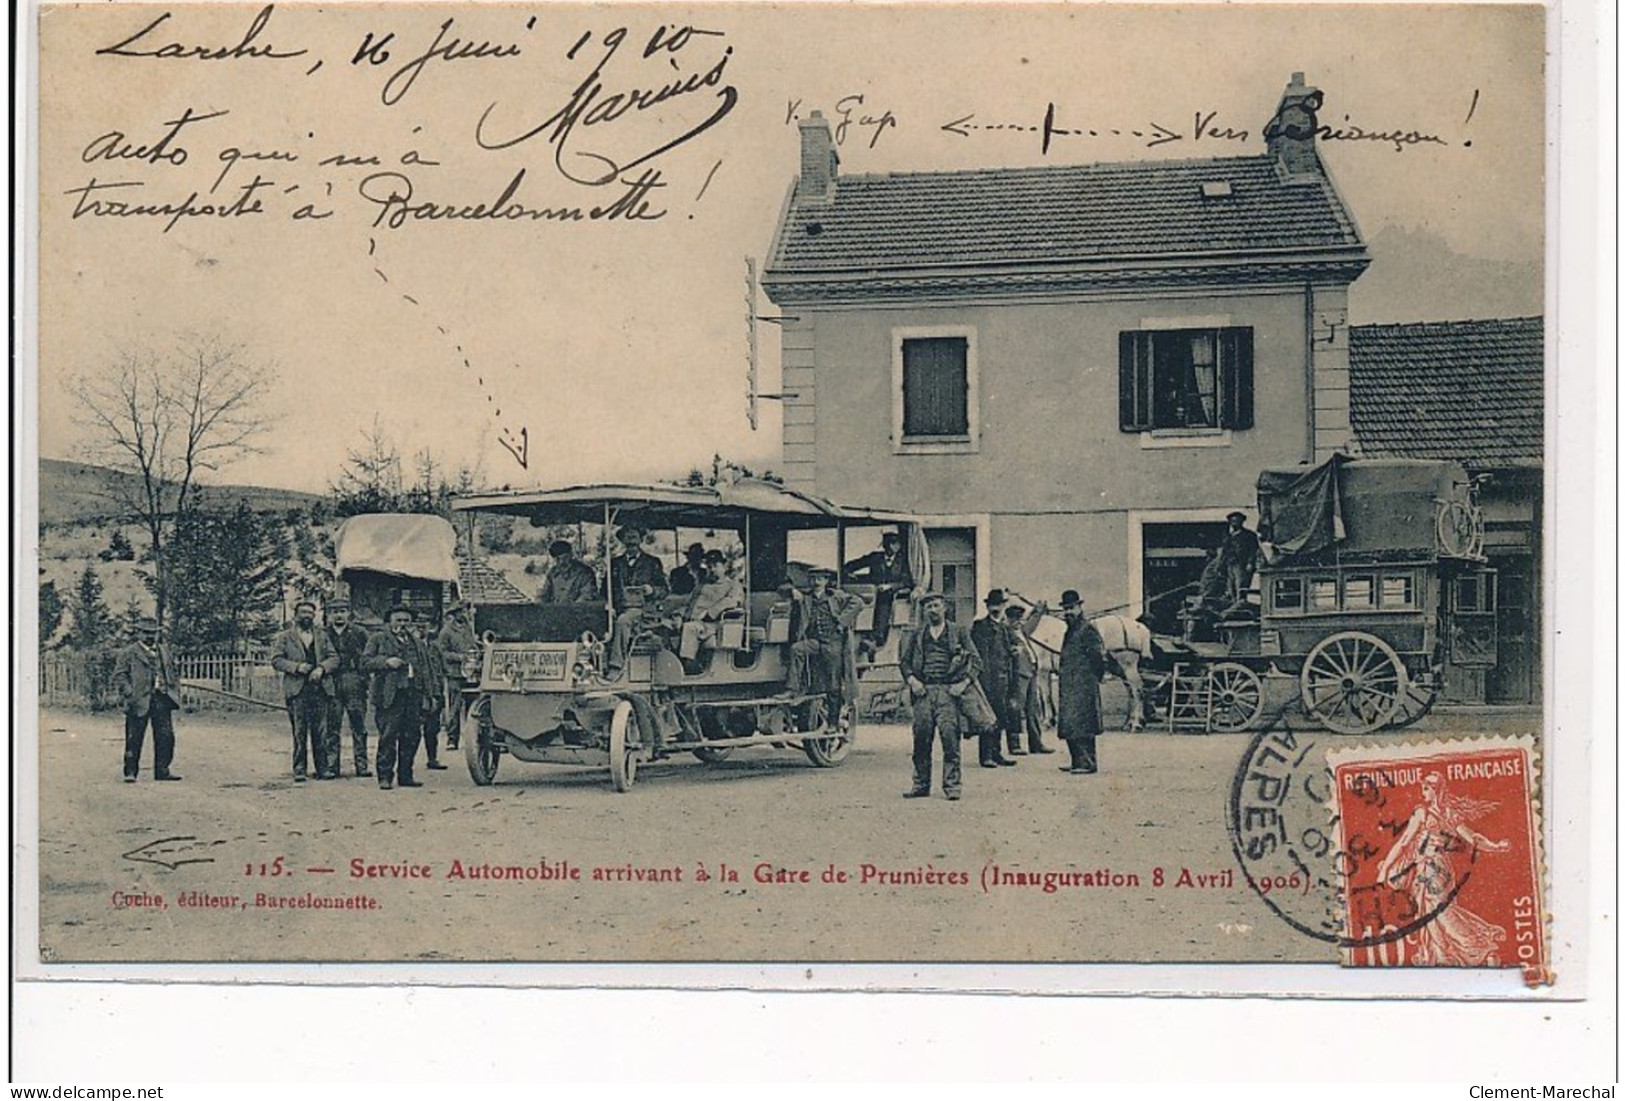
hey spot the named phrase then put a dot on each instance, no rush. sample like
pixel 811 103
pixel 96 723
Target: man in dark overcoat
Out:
pixel 1083 663
pixel 145 683
pixel 991 634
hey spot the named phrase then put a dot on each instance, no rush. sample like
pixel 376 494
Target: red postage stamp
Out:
pixel 1439 854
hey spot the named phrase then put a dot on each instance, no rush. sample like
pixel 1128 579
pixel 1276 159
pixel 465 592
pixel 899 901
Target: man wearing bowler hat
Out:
pixel 939 661
pixel 145 682
pixel 998 650
pixel 1083 663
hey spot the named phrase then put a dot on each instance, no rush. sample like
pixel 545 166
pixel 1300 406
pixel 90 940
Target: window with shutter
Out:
pixel 936 387
pixel 1191 379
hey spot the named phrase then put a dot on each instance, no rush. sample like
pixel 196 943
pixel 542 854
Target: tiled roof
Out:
pixel 1472 391
pixel 479 582
pixel 1053 214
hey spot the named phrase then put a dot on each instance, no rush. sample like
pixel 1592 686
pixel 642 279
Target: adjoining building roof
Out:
pixel 1148 211
pixel 480 583
pixel 1472 391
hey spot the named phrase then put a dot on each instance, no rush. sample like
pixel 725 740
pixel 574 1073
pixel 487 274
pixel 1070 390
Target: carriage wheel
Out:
pixel 479 748
pixel 1352 682
pixel 829 752
pixel 1460 530
pixel 625 744
pixel 1421 693
pixel 1236 699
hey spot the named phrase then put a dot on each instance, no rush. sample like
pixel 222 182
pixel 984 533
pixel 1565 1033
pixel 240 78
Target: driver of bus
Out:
pixel 636 579
pixel 717 595
pixel 569 580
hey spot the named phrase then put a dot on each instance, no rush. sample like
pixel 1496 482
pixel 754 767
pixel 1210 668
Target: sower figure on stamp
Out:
pixel 145 683
pixel 823 643
pixel 455 640
pixel 434 686
pixel 1083 663
pixel 997 649
pixel 938 662
pixel 349 641
pixel 307 664
pixel 395 662
pixel 1025 709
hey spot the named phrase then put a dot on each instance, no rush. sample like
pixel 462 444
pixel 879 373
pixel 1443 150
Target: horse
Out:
pixel 1128 643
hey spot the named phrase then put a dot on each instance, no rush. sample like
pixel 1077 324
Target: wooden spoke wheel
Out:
pixel 1352 682
pixel 831 751
pixel 1236 697
pixel 625 746
pixel 1421 692
pixel 479 743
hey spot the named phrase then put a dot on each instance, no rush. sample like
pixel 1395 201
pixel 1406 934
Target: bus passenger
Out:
pixel 717 594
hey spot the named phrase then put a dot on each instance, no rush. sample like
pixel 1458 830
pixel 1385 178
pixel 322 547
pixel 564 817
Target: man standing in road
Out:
pixel 434 685
pixel 145 683
pixel 455 641
pixel 396 663
pixel 1024 707
pixel 349 641
pixel 823 636
pixel 997 648
pixel 938 662
pixel 307 664
pixel 1083 662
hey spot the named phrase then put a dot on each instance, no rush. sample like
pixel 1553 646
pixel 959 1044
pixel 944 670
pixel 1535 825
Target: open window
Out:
pixel 1185 379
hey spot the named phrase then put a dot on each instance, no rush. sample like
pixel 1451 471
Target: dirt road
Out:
pixel 238 863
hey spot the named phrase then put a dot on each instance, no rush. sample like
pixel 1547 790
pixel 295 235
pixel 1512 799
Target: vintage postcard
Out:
pixel 757 484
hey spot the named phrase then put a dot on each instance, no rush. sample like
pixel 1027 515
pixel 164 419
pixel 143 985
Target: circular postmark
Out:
pixel 1287 836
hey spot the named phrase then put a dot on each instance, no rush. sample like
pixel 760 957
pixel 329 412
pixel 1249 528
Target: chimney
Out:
pixel 1290 135
pixel 818 159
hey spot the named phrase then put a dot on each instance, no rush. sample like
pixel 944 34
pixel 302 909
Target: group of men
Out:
pixel 942 662
pixel 410 673
pixel 639 585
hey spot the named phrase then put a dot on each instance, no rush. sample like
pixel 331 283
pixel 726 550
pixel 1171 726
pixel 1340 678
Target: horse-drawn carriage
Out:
pixel 1373 579
pixel 542 688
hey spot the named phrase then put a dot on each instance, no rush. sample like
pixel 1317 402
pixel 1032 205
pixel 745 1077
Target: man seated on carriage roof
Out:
pixel 569 580
pixel 717 595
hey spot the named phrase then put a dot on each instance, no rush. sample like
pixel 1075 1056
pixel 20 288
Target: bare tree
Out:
pixel 165 418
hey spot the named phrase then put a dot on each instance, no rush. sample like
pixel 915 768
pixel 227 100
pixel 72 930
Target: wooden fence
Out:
pixel 236 680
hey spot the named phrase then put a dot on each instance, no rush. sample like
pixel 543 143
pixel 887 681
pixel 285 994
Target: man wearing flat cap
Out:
pixel 569 580
pixel 349 641
pixel 145 683
pixel 455 641
pixel 823 642
pixel 307 662
pixel 939 661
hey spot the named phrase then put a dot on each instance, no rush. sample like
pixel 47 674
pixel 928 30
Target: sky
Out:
pixel 619 344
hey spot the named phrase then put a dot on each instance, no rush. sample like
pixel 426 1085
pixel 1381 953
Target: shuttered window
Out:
pixel 1185 378
pixel 936 400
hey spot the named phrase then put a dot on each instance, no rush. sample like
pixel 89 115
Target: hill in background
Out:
pixel 75 493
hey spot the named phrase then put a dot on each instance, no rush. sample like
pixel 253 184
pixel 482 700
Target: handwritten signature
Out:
pixel 173 50
pixel 590 105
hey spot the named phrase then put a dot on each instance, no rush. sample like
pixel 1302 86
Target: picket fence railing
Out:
pixel 240 679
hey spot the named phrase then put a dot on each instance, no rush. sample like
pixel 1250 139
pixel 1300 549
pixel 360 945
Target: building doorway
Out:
pixel 953 570
pixel 1515 676
pixel 1172 557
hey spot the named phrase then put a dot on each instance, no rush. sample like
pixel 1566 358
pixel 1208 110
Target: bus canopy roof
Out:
pixel 658 506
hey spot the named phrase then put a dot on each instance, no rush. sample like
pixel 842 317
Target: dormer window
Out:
pixel 1216 189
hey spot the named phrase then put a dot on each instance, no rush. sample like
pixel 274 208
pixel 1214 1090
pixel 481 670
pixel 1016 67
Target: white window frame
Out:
pixel 968 444
pixel 1139 518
